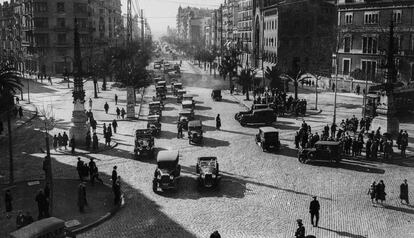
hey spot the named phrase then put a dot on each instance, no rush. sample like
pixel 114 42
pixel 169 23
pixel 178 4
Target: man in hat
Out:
pixel 300 232
pixel 404 192
pixel 314 211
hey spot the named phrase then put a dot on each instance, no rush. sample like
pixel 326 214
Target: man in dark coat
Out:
pixel 72 145
pixel 79 167
pixel 404 192
pixel 42 205
pixel 88 140
pixel 114 175
pixel 106 107
pixel 114 125
pixel 215 234
pixel 20 112
pixel 314 211
pixel 218 122
pixel 179 129
pixel 300 231
pixel 368 149
pixel 65 140
pixel 94 142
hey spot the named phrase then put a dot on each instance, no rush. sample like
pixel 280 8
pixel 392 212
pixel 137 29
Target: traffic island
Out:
pixel 99 198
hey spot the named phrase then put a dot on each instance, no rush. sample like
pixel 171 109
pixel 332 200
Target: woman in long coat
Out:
pixel 218 122
pixel 404 192
pixel 81 197
pixel 381 191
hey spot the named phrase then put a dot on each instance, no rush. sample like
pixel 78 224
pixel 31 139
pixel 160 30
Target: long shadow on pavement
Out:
pixel 399 209
pixel 343 233
pixel 345 164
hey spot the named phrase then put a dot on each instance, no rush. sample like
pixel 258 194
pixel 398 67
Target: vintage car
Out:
pixel 158 99
pixel 184 116
pixel 180 94
pixel 154 124
pixel 188 97
pixel 216 95
pixel 157 66
pixel 177 86
pixel 168 170
pixel 161 84
pixel 155 108
pixel 187 104
pixel 156 79
pixel 254 106
pixel 161 92
pixel 258 116
pixel 268 138
pixel 207 169
pixel 144 144
pixel 323 150
pixel 177 68
pixel 195 132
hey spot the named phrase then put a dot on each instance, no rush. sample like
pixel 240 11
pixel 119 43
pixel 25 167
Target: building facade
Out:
pixel 363 38
pixel 245 30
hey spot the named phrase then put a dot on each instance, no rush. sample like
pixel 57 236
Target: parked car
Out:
pixel 184 116
pixel 155 108
pixel 144 144
pixel 254 107
pixel 323 150
pixel 207 169
pixel 216 95
pixel 168 170
pixel 154 124
pixel 187 104
pixel 258 116
pixel 195 132
pixel 180 93
pixel 188 97
pixel 268 138
pixel 161 92
pixel 177 86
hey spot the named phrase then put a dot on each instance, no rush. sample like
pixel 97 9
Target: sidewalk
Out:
pixel 99 197
pixel 29 113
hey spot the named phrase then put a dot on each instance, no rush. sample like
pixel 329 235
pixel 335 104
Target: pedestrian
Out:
pixel 333 87
pixel 114 125
pixel 88 140
pixel 114 175
pixel 381 191
pixel 17 100
pixel 368 146
pixel 28 219
pixel 123 113
pixel 93 125
pixel 109 129
pixel 90 103
pixel 46 191
pixel 49 79
pixel 116 99
pixel 94 142
pixel 94 174
pixel 42 205
pixel 55 142
pixel 65 139
pixel 399 138
pixel 404 144
pixel 215 234
pixel 118 113
pixel 372 191
pixel 117 191
pixel 106 107
pixel 79 168
pixel 314 211
pixel 300 231
pixel 179 129
pixel 20 112
pixel 218 122
pixel 72 145
pixel 8 202
pixel 297 139
pixel 81 197
pixel 404 192
pixel 20 220
pixel 104 129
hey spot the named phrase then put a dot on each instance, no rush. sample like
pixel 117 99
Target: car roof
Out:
pixel 267 129
pixel 167 155
pixel 153 116
pixel 187 102
pixel 143 132
pixel 216 90
pixel 155 102
pixel 328 143
pixel 159 82
pixel 207 158
pixel 263 109
pixel 181 90
pixel 194 123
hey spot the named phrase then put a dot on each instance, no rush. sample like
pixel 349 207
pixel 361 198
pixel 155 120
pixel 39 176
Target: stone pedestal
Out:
pixel 80 126
pixel 130 102
pixel 386 118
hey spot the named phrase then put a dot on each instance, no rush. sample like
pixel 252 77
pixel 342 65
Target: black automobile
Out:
pixel 268 138
pixel 195 132
pixel 168 171
pixel 323 150
pixel 144 144
pixel 184 116
pixel 207 169
pixel 216 95
pixel 258 116
pixel 238 115
pixel 154 124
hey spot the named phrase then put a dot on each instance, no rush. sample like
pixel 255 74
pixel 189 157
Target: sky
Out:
pixel 161 13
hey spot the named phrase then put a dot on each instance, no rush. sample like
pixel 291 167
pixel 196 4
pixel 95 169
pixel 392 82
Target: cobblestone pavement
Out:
pixel 260 195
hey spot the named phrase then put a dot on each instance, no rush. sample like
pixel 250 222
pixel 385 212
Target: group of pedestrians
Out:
pixel 60 140
pixel 280 103
pixel 85 170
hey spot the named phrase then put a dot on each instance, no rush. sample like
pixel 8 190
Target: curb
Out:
pixel 86 153
pixel 102 219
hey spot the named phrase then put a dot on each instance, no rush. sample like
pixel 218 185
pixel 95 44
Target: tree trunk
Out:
pixel 11 172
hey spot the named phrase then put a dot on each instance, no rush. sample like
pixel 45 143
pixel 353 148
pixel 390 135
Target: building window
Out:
pixel 369 45
pixel 371 17
pixel 396 16
pixel 398 43
pixel 40 6
pixel 41 22
pixel 347 44
pixel 369 68
pixel 61 38
pixel 349 18
pixel 346 66
pixel 61 22
pixel 60 7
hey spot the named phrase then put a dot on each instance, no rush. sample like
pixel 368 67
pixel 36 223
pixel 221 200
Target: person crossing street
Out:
pixel 314 211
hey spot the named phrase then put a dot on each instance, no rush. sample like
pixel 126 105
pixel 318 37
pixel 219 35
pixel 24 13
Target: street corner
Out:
pixel 99 204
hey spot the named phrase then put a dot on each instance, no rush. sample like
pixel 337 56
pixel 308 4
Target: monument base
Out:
pixel 388 123
pixel 130 102
pixel 80 126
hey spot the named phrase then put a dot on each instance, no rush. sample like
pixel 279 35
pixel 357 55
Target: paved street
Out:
pixel 261 194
